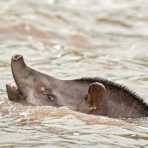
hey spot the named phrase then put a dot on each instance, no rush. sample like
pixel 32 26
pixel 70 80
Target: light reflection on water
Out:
pixel 70 39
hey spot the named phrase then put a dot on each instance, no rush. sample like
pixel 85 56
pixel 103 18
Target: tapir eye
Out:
pixel 46 92
pixel 51 97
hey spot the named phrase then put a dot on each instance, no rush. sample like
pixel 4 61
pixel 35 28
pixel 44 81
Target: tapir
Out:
pixel 88 95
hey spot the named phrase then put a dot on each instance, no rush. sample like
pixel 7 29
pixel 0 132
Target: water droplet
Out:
pixel 76 134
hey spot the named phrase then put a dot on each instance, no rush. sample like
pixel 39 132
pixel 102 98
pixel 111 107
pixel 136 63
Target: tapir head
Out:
pixel 30 85
pixel 35 88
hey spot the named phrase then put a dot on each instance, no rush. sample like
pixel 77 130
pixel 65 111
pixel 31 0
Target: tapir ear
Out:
pixel 96 92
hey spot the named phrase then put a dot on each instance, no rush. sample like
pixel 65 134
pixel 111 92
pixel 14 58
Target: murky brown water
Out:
pixel 70 39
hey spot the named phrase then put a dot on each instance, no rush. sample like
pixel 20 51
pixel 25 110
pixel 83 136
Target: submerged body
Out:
pixel 88 95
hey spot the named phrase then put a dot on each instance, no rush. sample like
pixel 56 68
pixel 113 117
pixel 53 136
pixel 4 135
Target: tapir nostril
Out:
pixel 16 57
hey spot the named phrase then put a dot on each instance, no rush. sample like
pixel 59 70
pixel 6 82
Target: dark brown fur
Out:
pixel 89 95
pixel 134 105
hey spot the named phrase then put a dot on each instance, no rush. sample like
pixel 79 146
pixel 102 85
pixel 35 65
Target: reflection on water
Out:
pixel 71 39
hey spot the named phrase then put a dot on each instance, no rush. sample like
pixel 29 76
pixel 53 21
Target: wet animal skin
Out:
pixel 88 95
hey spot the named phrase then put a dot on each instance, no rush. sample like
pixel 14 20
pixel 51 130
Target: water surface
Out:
pixel 71 39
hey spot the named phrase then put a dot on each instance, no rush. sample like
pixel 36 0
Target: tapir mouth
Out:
pixel 12 85
pixel 13 91
pixel 17 64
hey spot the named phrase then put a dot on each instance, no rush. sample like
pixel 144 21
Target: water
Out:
pixel 70 39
